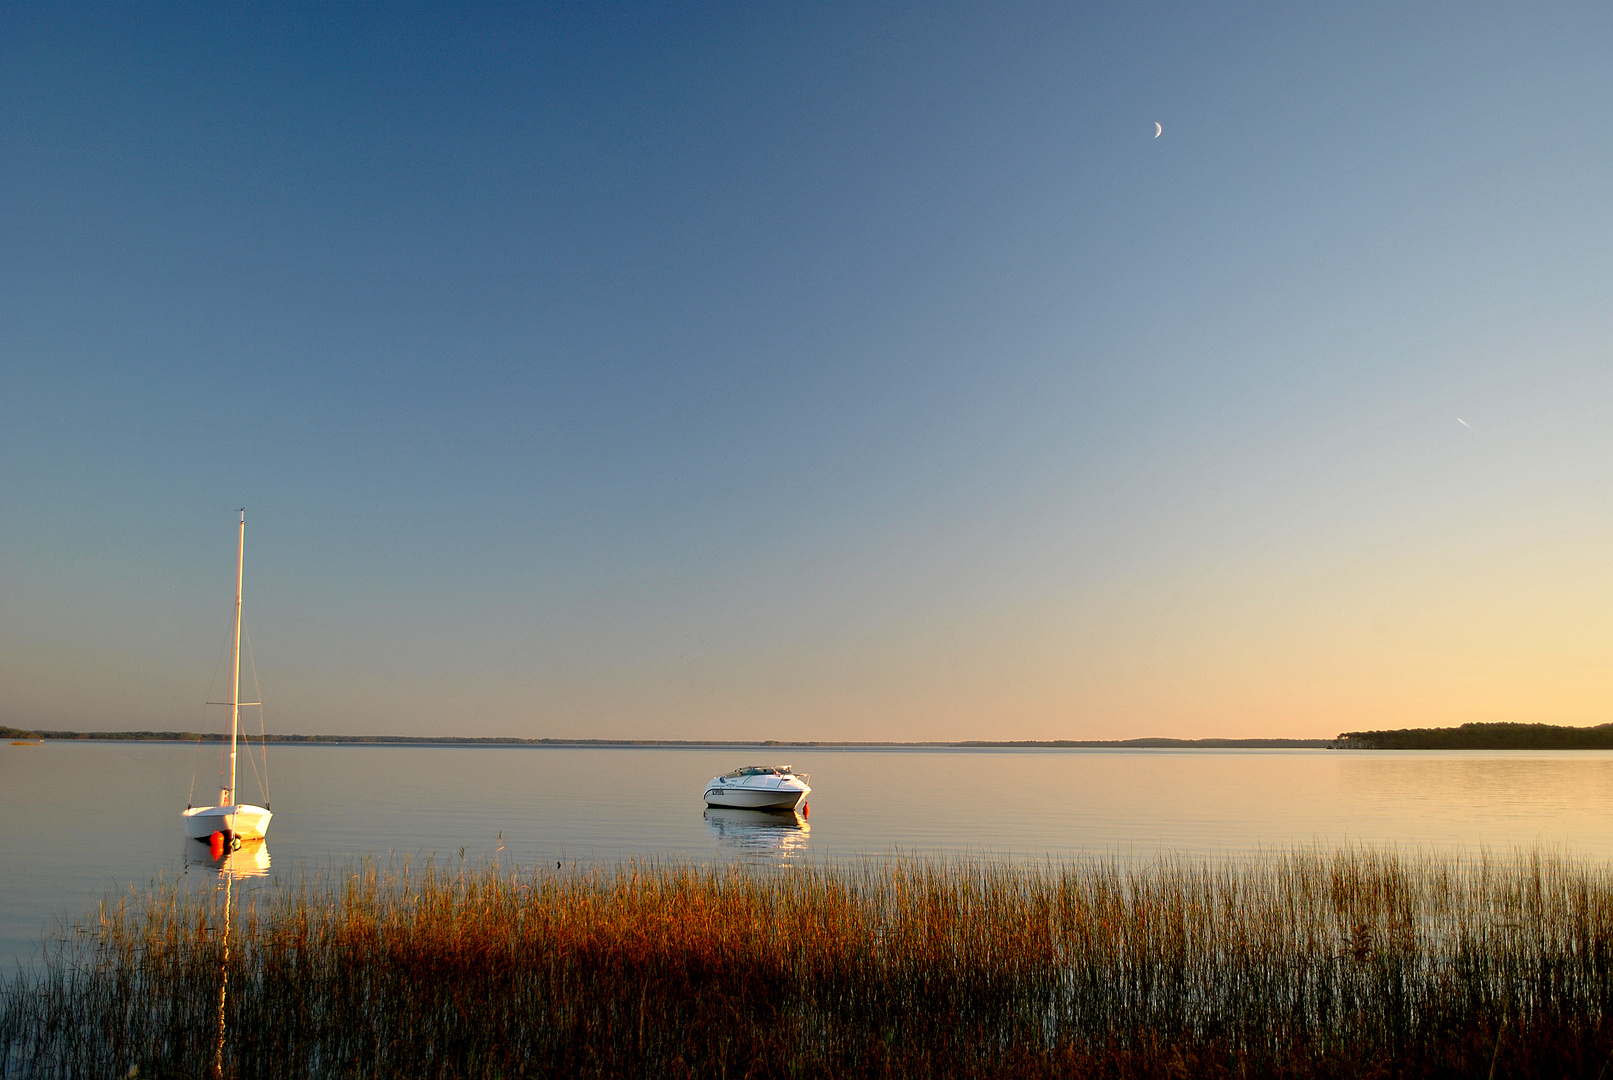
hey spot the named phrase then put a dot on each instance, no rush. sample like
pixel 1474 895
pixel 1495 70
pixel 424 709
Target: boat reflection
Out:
pixel 774 834
pixel 249 861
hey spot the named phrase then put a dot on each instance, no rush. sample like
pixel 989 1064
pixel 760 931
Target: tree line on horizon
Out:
pixel 512 740
pixel 1496 736
pixel 1483 737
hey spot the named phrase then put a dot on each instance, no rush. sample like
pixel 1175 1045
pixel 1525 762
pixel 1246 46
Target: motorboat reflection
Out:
pixel 759 787
pixel 250 860
pixel 771 833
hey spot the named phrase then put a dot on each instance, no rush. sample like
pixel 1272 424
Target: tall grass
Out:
pixel 1307 963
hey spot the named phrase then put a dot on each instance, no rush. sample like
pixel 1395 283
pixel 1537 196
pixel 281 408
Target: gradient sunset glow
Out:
pixel 828 373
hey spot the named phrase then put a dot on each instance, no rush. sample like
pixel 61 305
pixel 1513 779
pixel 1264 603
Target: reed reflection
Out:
pixel 250 860
pixel 769 834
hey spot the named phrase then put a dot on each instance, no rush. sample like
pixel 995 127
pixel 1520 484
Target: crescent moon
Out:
pixel 1159 129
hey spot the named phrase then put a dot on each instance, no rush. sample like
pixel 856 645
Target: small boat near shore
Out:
pixel 759 787
pixel 231 821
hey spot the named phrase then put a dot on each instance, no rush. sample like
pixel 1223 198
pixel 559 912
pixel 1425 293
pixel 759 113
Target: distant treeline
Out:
pixel 456 740
pixel 1466 737
pixel 1483 737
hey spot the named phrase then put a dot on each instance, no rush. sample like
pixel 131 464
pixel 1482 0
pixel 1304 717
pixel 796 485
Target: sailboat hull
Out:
pixel 242 819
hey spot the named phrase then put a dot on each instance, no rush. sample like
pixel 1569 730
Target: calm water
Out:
pixel 80 820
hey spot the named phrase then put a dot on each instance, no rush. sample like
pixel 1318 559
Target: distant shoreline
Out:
pixel 715 744
pixel 1482 737
pixel 1466 737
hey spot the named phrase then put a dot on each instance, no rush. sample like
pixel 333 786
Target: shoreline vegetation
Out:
pixel 1466 737
pixel 1482 737
pixel 1302 963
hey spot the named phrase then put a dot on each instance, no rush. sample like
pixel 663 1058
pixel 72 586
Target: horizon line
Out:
pixel 1144 742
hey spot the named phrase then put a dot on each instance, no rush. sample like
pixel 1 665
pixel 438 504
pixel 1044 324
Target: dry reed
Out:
pixel 1345 963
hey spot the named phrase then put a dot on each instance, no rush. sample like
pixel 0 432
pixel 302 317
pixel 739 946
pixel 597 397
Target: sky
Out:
pixel 820 371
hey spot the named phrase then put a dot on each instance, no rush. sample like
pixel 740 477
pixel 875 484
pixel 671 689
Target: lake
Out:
pixel 80 820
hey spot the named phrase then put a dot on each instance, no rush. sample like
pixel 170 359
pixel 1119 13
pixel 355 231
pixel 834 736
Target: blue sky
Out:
pixel 818 372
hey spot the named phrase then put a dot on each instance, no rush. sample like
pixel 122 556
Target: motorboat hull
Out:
pixel 241 820
pixel 780 793
pixel 755 799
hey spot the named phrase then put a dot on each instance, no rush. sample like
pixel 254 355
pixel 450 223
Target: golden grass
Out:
pixel 1304 963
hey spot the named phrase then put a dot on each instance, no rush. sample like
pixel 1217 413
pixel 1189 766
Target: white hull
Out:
pixel 242 820
pixel 755 799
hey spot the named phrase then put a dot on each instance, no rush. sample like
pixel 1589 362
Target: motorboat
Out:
pixel 232 820
pixel 759 787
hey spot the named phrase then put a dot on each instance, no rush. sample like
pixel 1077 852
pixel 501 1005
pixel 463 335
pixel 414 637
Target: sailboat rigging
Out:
pixel 231 821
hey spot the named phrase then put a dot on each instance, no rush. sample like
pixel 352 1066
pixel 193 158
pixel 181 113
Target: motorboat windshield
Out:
pixel 760 770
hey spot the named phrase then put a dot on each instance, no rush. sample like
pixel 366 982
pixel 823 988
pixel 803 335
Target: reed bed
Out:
pixel 1307 963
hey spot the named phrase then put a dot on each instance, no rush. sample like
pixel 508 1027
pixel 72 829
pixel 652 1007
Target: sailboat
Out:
pixel 232 821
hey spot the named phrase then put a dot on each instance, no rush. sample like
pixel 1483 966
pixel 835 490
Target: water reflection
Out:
pixel 249 861
pixel 772 834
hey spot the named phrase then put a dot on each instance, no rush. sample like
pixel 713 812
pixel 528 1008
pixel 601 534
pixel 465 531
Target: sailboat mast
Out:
pixel 235 681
